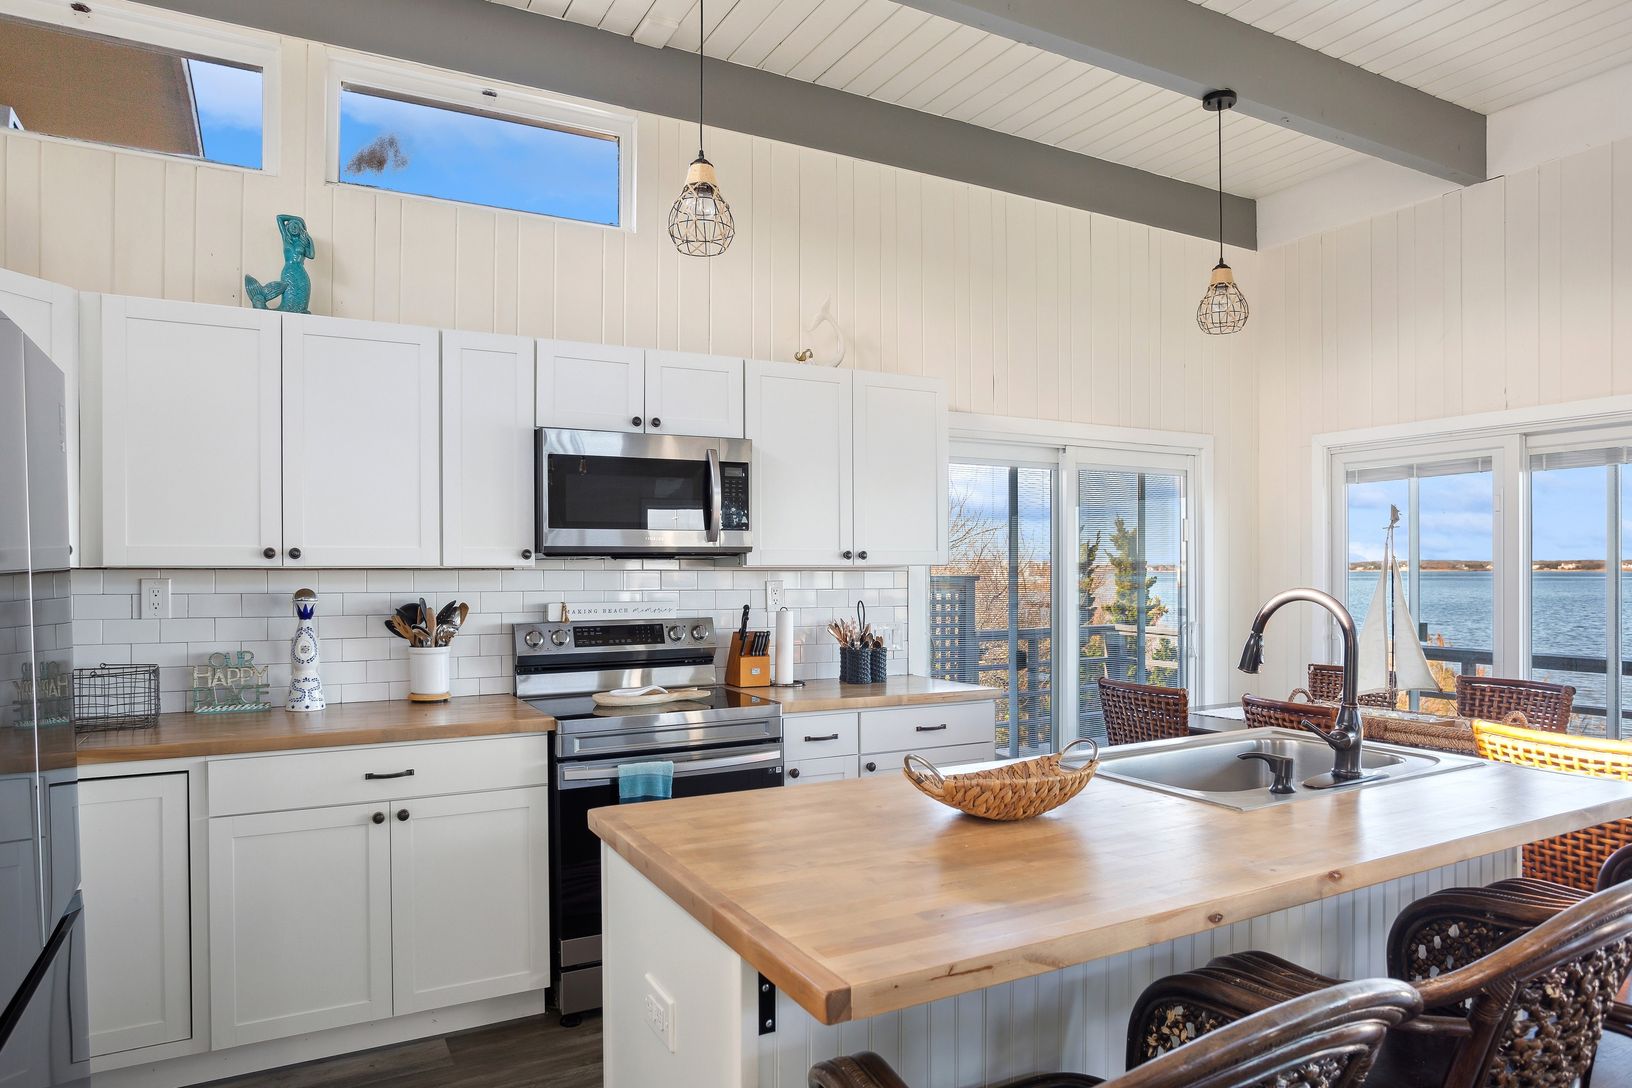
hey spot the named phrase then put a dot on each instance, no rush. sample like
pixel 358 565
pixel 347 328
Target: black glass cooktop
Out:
pixel 720 701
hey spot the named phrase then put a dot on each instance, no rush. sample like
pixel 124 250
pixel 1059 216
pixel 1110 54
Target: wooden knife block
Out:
pixel 747 670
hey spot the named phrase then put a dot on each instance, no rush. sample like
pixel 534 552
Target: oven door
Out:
pixel 575 895
pixel 605 493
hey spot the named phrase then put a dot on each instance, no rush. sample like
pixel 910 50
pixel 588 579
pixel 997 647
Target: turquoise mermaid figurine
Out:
pixel 294 290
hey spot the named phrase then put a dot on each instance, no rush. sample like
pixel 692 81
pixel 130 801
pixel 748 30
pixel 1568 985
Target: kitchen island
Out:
pixel 968 951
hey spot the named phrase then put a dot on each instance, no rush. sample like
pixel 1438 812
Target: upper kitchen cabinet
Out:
pixel 596 387
pixel 799 420
pixel 901 454
pixel 591 387
pixel 182 446
pixel 361 443
pixel 48 314
pixel 849 467
pixel 487 450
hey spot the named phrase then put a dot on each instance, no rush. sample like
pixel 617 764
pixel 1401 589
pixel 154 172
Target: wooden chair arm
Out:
pixel 1431 1023
pixel 1054 1080
pixel 863 1070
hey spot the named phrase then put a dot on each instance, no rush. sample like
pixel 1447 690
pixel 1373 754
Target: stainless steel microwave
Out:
pixel 609 493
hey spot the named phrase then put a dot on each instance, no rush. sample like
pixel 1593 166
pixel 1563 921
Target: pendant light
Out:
pixel 700 223
pixel 1223 308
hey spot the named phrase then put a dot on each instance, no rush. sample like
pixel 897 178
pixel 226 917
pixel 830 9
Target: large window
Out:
pixel 449 138
pixel 169 91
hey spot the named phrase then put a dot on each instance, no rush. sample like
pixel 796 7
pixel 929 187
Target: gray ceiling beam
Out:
pixel 1184 47
pixel 499 42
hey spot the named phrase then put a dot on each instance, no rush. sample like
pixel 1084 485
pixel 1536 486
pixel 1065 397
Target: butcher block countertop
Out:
pixel 863 897
pixel 278 730
pixel 828 695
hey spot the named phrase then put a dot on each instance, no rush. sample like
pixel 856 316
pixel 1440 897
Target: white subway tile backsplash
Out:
pixel 105 606
pixel 394 581
pixel 130 630
pixel 477 581
pixel 203 605
pixel 239 630
pixel 342 581
pixel 186 630
pixel 239 581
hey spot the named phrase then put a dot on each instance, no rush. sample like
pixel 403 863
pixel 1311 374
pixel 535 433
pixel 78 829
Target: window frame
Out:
pixel 438 88
pixel 197 38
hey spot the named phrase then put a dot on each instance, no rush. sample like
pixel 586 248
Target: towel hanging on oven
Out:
pixel 651 781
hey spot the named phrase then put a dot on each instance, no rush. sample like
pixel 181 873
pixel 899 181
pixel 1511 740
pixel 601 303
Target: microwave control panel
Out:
pixel 734 496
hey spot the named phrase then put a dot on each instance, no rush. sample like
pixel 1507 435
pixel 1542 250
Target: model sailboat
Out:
pixel 1389 663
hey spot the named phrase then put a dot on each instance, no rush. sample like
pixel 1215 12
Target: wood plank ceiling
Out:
pixel 1482 54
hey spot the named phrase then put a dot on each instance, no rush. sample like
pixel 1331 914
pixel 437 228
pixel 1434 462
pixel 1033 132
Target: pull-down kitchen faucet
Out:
pixel 1346 739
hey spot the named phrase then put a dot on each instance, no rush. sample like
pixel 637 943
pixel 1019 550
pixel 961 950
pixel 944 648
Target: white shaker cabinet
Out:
pixel 693 394
pixel 183 430
pixel 361 443
pixel 591 387
pixel 900 470
pixel 487 450
pixel 300 921
pixel 134 870
pixel 799 420
pixel 469 897
pixel 48 314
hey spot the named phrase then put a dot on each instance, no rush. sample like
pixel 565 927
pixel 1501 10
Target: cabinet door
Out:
pixel 901 452
pixel 693 394
pixel 300 922
pixel 469 897
pixel 487 450
pixel 361 444
pixel 188 412
pixel 48 314
pixel 798 418
pixel 134 871
pixel 591 387
pixel 957 755
pixel 804 772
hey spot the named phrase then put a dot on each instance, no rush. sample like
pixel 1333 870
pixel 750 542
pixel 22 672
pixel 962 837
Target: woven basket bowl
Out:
pixel 1014 791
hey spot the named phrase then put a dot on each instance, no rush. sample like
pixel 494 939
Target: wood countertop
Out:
pixel 864 897
pixel 826 695
pixel 277 730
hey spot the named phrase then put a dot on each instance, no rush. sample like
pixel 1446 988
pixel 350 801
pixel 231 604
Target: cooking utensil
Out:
pixel 447 612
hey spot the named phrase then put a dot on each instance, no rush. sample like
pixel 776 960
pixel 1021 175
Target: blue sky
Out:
pixel 229 112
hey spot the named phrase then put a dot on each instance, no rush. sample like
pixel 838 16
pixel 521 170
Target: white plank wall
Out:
pixel 1076 1020
pixel 1509 294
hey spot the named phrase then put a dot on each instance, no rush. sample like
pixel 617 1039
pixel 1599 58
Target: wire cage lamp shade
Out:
pixel 1223 307
pixel 700 223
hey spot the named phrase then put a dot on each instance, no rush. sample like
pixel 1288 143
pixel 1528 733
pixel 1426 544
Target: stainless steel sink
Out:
pixel 1209 768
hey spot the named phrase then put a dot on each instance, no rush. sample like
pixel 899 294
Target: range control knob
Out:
pixel 534 638
pixel 559 637
pixel 699 632
pixel 676 632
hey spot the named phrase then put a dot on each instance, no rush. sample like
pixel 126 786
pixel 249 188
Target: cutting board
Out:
pixel 677 695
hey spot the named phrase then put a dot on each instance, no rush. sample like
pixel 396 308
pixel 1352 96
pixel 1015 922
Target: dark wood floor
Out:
pixel 533 1053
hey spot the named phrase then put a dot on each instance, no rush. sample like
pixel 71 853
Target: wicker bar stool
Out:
pixel 1136 712
pixel 1529 1011
pixel 1494 699
pixel 1328 1039
pixel 1575 858
pixel 1264 713
pixel 1326 686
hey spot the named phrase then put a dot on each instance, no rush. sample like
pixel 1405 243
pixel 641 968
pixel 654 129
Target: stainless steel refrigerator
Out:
pixel 43 1031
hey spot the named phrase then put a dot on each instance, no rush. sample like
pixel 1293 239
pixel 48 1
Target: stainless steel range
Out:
pixel 721 742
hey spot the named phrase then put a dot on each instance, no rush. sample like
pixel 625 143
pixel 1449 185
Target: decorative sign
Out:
pixel 615 610
pixel 229 684
pixel 49 694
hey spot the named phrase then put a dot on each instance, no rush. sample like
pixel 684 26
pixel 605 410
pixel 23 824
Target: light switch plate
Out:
pixel 154 599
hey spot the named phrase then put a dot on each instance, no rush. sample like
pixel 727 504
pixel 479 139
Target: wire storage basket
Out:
pixel 116 697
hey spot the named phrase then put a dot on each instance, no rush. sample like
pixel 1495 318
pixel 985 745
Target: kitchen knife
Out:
pixel 742 634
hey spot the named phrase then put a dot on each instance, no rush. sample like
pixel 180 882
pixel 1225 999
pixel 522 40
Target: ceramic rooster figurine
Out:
pixel 294 289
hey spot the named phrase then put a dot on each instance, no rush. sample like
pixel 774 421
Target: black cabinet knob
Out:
pixel 526 553
pixel 379 817
pixel 269 553
pixel 847 555
pixel 294 553
pixel 861 555
pixel 656 423
pixel 871 766
pixel 635 421
pixel 793 772
pixel 402 814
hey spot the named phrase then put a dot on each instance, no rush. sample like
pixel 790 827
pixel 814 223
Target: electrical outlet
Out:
pixel 775 597
pixel 659 1009
pixel 155 598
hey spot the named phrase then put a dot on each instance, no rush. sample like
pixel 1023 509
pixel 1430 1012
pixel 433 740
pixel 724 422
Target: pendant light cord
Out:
pixel 702 33
pixel 1220 184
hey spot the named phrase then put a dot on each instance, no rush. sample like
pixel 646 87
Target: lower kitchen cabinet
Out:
pixel 300 921
pixel 832 746
pixel 804 772
pixel 136 878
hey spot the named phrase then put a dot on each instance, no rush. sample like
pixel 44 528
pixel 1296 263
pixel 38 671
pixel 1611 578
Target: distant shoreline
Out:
pixel 1453 566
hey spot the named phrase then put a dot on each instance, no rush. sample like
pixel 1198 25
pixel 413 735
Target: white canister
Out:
pixel 428 673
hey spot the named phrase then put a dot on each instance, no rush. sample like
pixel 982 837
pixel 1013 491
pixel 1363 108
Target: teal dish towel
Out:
pixel 652 781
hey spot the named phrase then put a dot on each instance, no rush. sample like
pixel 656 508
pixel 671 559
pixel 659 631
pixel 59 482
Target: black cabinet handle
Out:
pixel 373 776
pixel 402 814
pixel 269 553
pixel 861 555
pixel 930 728
pixel 379 817
pixel 526 553
pixel 847 555
pixel 635 421
pixel 793 772
pixel 872 766
pixel 294 553
pixel 656 423
pixel 830 736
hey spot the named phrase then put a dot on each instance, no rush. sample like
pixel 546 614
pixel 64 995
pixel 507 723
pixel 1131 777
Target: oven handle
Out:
pixel 716 502
pixel 596 774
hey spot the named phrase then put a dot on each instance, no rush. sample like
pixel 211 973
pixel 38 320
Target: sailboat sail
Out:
pixel 1411 671
pixel 1374 640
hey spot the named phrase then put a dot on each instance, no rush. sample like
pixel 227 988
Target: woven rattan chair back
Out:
pixel 1264 713
pixel 1321 1040
pixel 1537 1005
pixel 1136 712
pixel 1493 698
pixel 1573 859
pixel 1326 686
